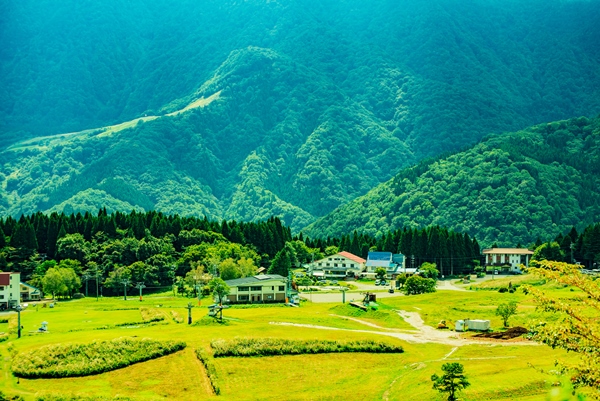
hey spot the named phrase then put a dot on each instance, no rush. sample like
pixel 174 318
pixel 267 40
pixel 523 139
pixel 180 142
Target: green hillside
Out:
pixel 437 74
pixel 508 189
pixel 298 160
pixel 243 110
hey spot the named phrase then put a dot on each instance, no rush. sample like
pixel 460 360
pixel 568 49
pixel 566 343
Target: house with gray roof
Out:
pixel 262 288
pixel 392 263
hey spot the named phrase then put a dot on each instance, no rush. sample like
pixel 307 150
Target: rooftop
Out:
pixel 380 256
pixel 509 251
pixel 253 279
pixel 351 256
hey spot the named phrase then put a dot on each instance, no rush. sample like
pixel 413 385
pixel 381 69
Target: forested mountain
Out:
pixel 302 105
pixel 508 189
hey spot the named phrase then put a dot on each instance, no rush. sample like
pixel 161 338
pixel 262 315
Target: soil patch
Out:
pixel 509 334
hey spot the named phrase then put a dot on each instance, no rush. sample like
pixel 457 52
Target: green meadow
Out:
pixel 496 370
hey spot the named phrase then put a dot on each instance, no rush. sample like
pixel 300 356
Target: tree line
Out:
pixel 65 252
pixel 573 247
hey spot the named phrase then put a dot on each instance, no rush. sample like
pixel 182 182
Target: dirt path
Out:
pixel 423 333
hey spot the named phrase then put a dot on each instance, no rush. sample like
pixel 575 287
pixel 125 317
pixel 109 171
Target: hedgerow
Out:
pixel 211 371
pixel 68 360
pixel 275 346
pixel 54 397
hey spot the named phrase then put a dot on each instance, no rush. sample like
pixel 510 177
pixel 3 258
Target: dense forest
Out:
pixel 163 250
pixel 508 189
pixel 302 105
pixel 572 247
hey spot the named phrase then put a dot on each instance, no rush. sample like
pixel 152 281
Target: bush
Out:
pixel 176 317
pixel 3 337
pixel 274 346
pixel 419 285
pixel 53 397
pixel 4 397
pixel 151 315
pixel 503 289
pixel 71 360
pixel 211 371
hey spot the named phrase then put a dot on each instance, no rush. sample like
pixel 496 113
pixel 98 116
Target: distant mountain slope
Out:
pixel 438 74
pixel 302 104
pixel 258 144
pixel 509 188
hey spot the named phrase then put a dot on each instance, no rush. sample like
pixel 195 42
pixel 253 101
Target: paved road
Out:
pixel 442 285
pixel 350 296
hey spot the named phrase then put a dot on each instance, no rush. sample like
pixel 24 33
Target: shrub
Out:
pixel 54 397
pixel 3 337
pixel 211 371
pixel 68 360
pixel 4 397
pixel 503 289
pixel 151 315
pixel 418 285
pixel 275 346
pixel 176 317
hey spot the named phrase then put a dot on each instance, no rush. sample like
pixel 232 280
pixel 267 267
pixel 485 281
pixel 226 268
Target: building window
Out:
pixel 272 288
pixel 330 258
pixel 320 264
pixel 327 264
pixel 255 288
pixel 352 265
pixel 343 265
pixel 269 297
pixel 243 297
pixel 1 296
pixel 243 288
pixel 282 288
pixel 1 288
pixel 335 265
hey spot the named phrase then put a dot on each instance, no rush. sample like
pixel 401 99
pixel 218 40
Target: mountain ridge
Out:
pixel 507 189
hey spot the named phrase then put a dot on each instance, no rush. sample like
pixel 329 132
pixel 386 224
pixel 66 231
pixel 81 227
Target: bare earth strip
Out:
pixel 424 334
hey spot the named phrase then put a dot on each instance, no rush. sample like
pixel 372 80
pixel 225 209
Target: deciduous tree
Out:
pixel 577 329
pixel 452 381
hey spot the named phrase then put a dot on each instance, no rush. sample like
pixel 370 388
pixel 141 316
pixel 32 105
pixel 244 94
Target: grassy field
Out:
pixel 496 372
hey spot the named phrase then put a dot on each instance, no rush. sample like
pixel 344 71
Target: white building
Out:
pixel 394 264
pixel 512 257
pixel 262 288
pixel 338 266
pixel 10 288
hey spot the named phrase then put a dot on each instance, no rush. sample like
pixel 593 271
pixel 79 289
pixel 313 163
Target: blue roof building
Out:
pixel 392 263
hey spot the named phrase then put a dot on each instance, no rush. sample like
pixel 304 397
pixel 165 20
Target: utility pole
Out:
pixel 19 308
pixel 125 283
pixel 140 285
pixel 189 308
